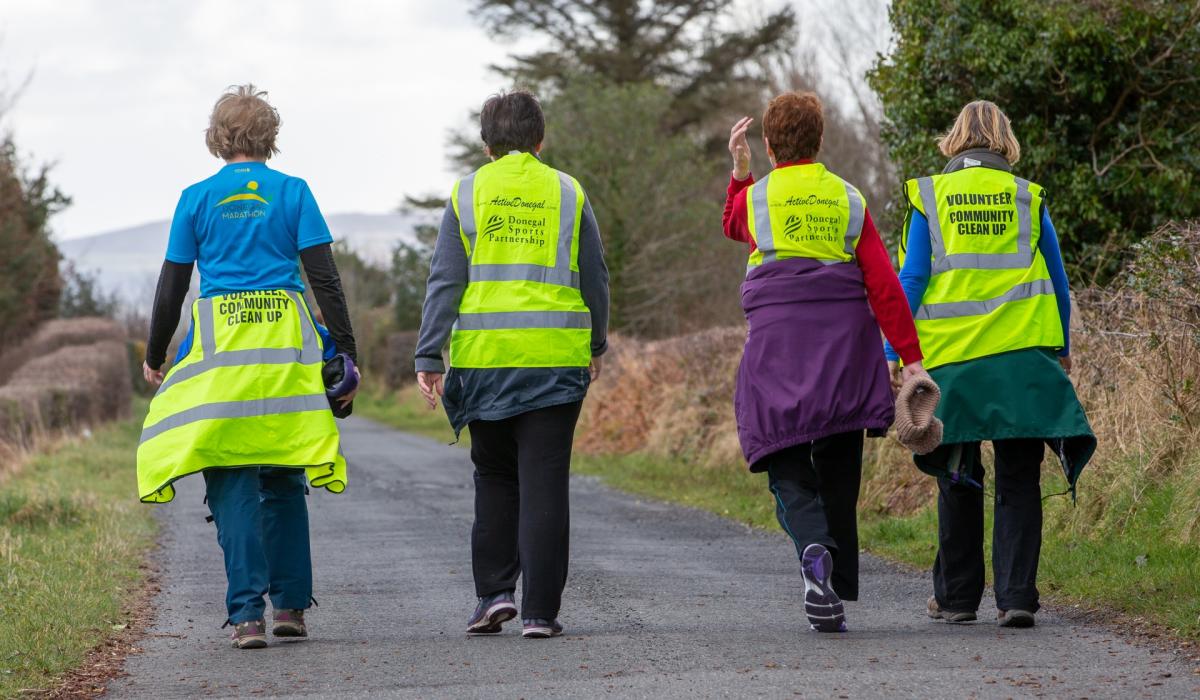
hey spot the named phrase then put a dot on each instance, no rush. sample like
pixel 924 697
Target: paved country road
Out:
pixel 663 601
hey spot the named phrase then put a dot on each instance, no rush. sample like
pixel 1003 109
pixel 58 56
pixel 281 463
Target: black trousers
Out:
pixel 1016 531
pixel 816 500
pixel 522 526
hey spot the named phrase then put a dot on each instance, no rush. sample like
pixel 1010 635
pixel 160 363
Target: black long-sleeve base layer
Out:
pixel 176 278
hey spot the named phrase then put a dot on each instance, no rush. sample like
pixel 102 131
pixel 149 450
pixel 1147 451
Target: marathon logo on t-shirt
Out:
pixel 244 203
pixel 253 307
pixel 990 214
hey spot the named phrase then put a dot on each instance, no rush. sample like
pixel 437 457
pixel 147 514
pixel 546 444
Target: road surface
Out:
pixel 663 602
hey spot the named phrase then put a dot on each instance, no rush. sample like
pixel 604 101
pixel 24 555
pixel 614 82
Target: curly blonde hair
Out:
pixel 242 123
pixel 981 124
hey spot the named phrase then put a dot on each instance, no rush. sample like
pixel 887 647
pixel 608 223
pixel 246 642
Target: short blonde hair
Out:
pixel 242 123
pixel 981 124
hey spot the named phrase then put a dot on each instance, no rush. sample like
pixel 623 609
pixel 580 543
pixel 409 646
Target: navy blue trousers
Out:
pixel 816 500
pixel 262 527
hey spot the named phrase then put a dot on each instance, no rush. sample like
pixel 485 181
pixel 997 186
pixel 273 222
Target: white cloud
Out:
pixel 121 92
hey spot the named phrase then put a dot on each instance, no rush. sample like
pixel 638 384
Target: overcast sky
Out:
pixel 121 91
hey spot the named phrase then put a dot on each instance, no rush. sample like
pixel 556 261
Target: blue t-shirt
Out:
pixel 244 228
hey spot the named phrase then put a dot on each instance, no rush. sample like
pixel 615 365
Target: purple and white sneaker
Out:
pixel 491 613
pixel 822 606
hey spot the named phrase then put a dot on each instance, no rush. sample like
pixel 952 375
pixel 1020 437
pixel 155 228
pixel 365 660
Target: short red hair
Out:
pixel 793 125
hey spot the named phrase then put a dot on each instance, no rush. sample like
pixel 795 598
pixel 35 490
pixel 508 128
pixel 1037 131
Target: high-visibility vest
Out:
pixel 249 392
pixel 989 289
pixel 519 222
pixel 804 211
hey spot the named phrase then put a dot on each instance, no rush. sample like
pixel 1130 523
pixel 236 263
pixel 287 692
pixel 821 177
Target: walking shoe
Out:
pixel 1016 618
pixel 289 623
pixel 251 634
pixel 492 612
pixel 541 629
pixel 935 611
pixel 822 606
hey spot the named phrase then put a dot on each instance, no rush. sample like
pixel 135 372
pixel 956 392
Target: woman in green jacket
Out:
pixel 984 277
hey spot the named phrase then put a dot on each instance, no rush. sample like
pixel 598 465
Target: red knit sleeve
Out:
pixel 734 220
pixel 885 294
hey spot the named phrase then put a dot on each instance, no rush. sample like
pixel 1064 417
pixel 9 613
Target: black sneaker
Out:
pixel 541 629
pixel 492 612
pixel 822 606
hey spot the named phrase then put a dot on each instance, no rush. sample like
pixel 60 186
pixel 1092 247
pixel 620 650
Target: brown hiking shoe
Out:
pixel 1016 618
pixel 251 634
pixel 933 610
pixel 289 623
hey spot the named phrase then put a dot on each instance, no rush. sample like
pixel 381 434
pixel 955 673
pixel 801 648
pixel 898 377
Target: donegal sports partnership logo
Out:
pixel 791 225
pixel 242 194
pixel 494 224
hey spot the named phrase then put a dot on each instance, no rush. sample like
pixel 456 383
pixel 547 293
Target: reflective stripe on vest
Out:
pixel 520 309
pixel 762 229
pixel 989 289
pixel 956 309
pixel 249 392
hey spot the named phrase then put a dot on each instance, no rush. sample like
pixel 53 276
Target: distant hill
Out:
pixel 127 261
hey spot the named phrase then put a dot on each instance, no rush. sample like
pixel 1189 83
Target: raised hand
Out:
pixel 739 148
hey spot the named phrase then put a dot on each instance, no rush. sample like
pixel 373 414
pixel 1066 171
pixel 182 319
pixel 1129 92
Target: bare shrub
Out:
pixel 59 333
pixel 70 388
pixel 671 396
pixel 1137 349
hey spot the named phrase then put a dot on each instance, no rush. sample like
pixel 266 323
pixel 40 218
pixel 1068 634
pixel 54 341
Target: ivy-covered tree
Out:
pixel 1104 97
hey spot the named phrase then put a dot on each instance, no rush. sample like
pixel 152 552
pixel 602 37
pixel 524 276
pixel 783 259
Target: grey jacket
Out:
pixel 496 394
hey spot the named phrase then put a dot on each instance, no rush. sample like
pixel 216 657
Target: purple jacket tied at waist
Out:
pixel 813 364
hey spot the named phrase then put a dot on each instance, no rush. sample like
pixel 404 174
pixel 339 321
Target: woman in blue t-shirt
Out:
pixel 248 228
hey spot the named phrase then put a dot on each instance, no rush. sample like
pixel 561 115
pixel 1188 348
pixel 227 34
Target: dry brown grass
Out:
pixel 1136 349
pixel 59 333
pixel 78 377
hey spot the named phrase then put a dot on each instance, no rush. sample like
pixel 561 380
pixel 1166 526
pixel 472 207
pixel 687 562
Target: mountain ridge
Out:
pixel 126 261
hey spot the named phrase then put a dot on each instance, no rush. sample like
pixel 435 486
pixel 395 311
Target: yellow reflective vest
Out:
pixel 519 222
pixel 804 211
pixel 249 392
pixel 989 288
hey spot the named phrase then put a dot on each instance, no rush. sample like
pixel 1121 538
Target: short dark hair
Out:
pixel 793 126
pixel 512 121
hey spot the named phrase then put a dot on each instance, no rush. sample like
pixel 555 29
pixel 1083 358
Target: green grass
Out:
pixel 1128 563
pixel 72 537
pixel 405 409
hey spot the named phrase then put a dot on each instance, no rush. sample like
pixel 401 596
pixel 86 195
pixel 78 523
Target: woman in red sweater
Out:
pixel 813 378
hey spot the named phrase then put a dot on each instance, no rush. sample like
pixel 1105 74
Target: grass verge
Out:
pixel 72 538
pixel 1128 566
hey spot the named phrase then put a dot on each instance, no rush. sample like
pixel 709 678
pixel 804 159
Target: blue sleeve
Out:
pixel 1052 254
pixel 914 276
pixel 181 243
pixel 311 228
pixel 327 341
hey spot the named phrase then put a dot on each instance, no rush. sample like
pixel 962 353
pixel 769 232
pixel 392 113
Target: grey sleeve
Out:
pixel 593 278
pixel 447 280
